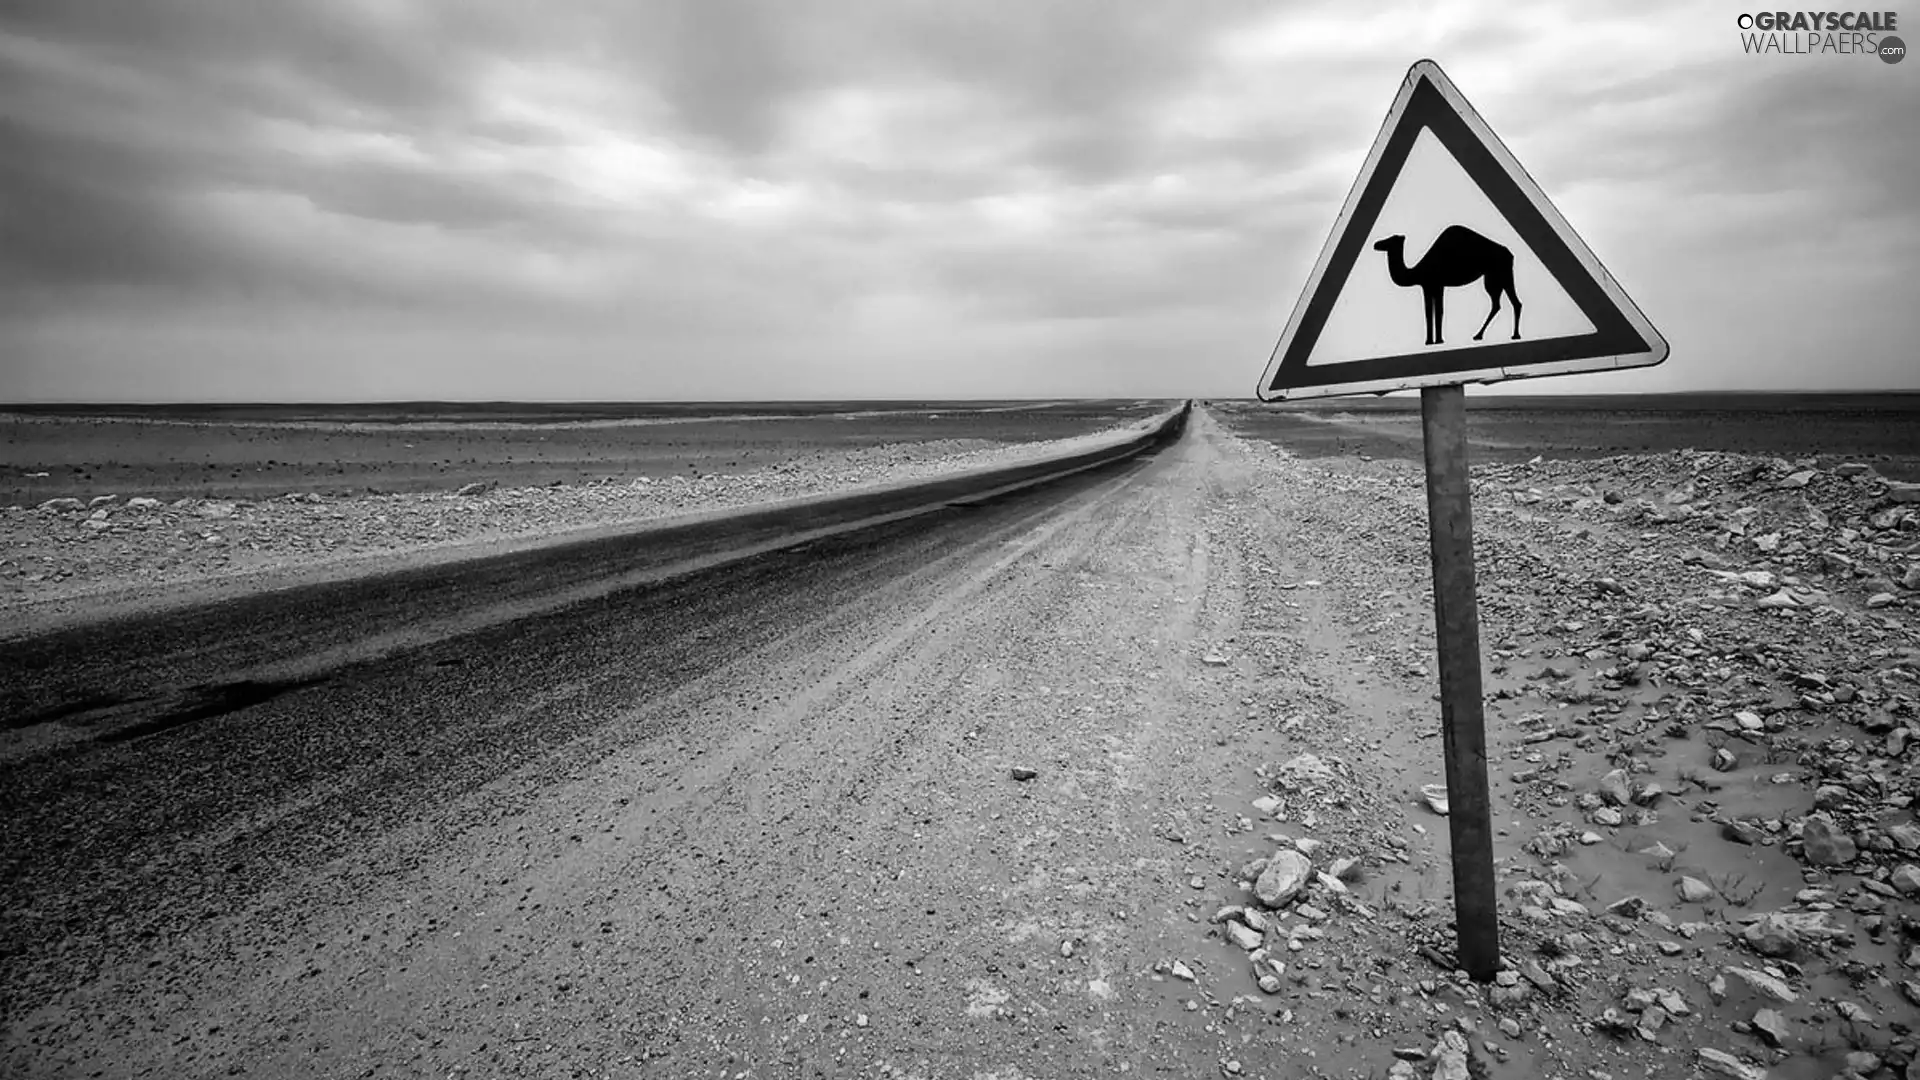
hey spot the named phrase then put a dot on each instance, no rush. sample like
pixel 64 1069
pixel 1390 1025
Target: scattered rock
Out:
pixel 1285 875
pixel 1435 796
pixel 1772 936
pixel 1652 1020
pixel 1305 773
pixel 1243 935
pixel 1628 907
pixel 1906 879
pixel 1614 1022
pixel 1771 1026
pixel 1721 1063
pixel 478 487
pixel 1824 843
pixel 1019 772
pixel 1693 890
pixel 1764 983
pixel 1863 1062
pixel 1450 1063
pixel 1614 788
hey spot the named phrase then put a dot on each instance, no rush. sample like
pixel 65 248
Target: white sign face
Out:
pixel 1448 265
pixel 1371 315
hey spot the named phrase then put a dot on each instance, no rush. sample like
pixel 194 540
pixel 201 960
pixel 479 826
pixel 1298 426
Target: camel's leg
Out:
pixel 1498 283
pixel 1426 316
pixel 1493 293
pixel 1439 315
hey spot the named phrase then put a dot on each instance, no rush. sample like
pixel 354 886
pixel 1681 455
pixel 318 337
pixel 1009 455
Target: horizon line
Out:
pixel 394 402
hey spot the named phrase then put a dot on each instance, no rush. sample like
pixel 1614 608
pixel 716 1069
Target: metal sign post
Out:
pixel 1456 618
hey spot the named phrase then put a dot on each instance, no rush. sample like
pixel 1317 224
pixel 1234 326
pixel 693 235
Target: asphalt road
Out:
pixel 757 818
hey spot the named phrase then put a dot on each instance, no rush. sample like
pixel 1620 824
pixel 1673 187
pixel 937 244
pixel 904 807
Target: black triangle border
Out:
pixel 1427 108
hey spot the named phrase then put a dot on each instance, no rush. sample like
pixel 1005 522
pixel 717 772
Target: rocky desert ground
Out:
pixel 96 543
pixel 257 452
pixel 1140 779
pixel 1701 677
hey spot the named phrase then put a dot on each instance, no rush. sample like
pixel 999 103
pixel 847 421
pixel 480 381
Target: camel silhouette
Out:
pixel 1459 256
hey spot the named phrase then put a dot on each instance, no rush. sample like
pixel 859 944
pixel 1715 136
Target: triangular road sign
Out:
pixel 1438 181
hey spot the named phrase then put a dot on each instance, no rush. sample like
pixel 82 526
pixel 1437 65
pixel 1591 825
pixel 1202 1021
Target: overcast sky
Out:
pixel 397 199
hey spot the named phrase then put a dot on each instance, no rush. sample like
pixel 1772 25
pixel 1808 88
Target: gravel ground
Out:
pixel 1132 778
pixel 1702 674
pixel 113 547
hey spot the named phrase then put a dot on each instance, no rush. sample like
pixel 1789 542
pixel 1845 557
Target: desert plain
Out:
pixel 1131 774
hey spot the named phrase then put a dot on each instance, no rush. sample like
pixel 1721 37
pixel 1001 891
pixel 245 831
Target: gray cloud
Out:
pixel 277 51
pixel 755 178
pixel 1737 124
pixel 419 194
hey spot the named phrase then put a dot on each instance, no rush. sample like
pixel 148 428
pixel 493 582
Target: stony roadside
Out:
pixel 67 549
pixel 1703 677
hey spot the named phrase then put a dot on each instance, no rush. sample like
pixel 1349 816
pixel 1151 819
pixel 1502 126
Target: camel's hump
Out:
pixel 1459 233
